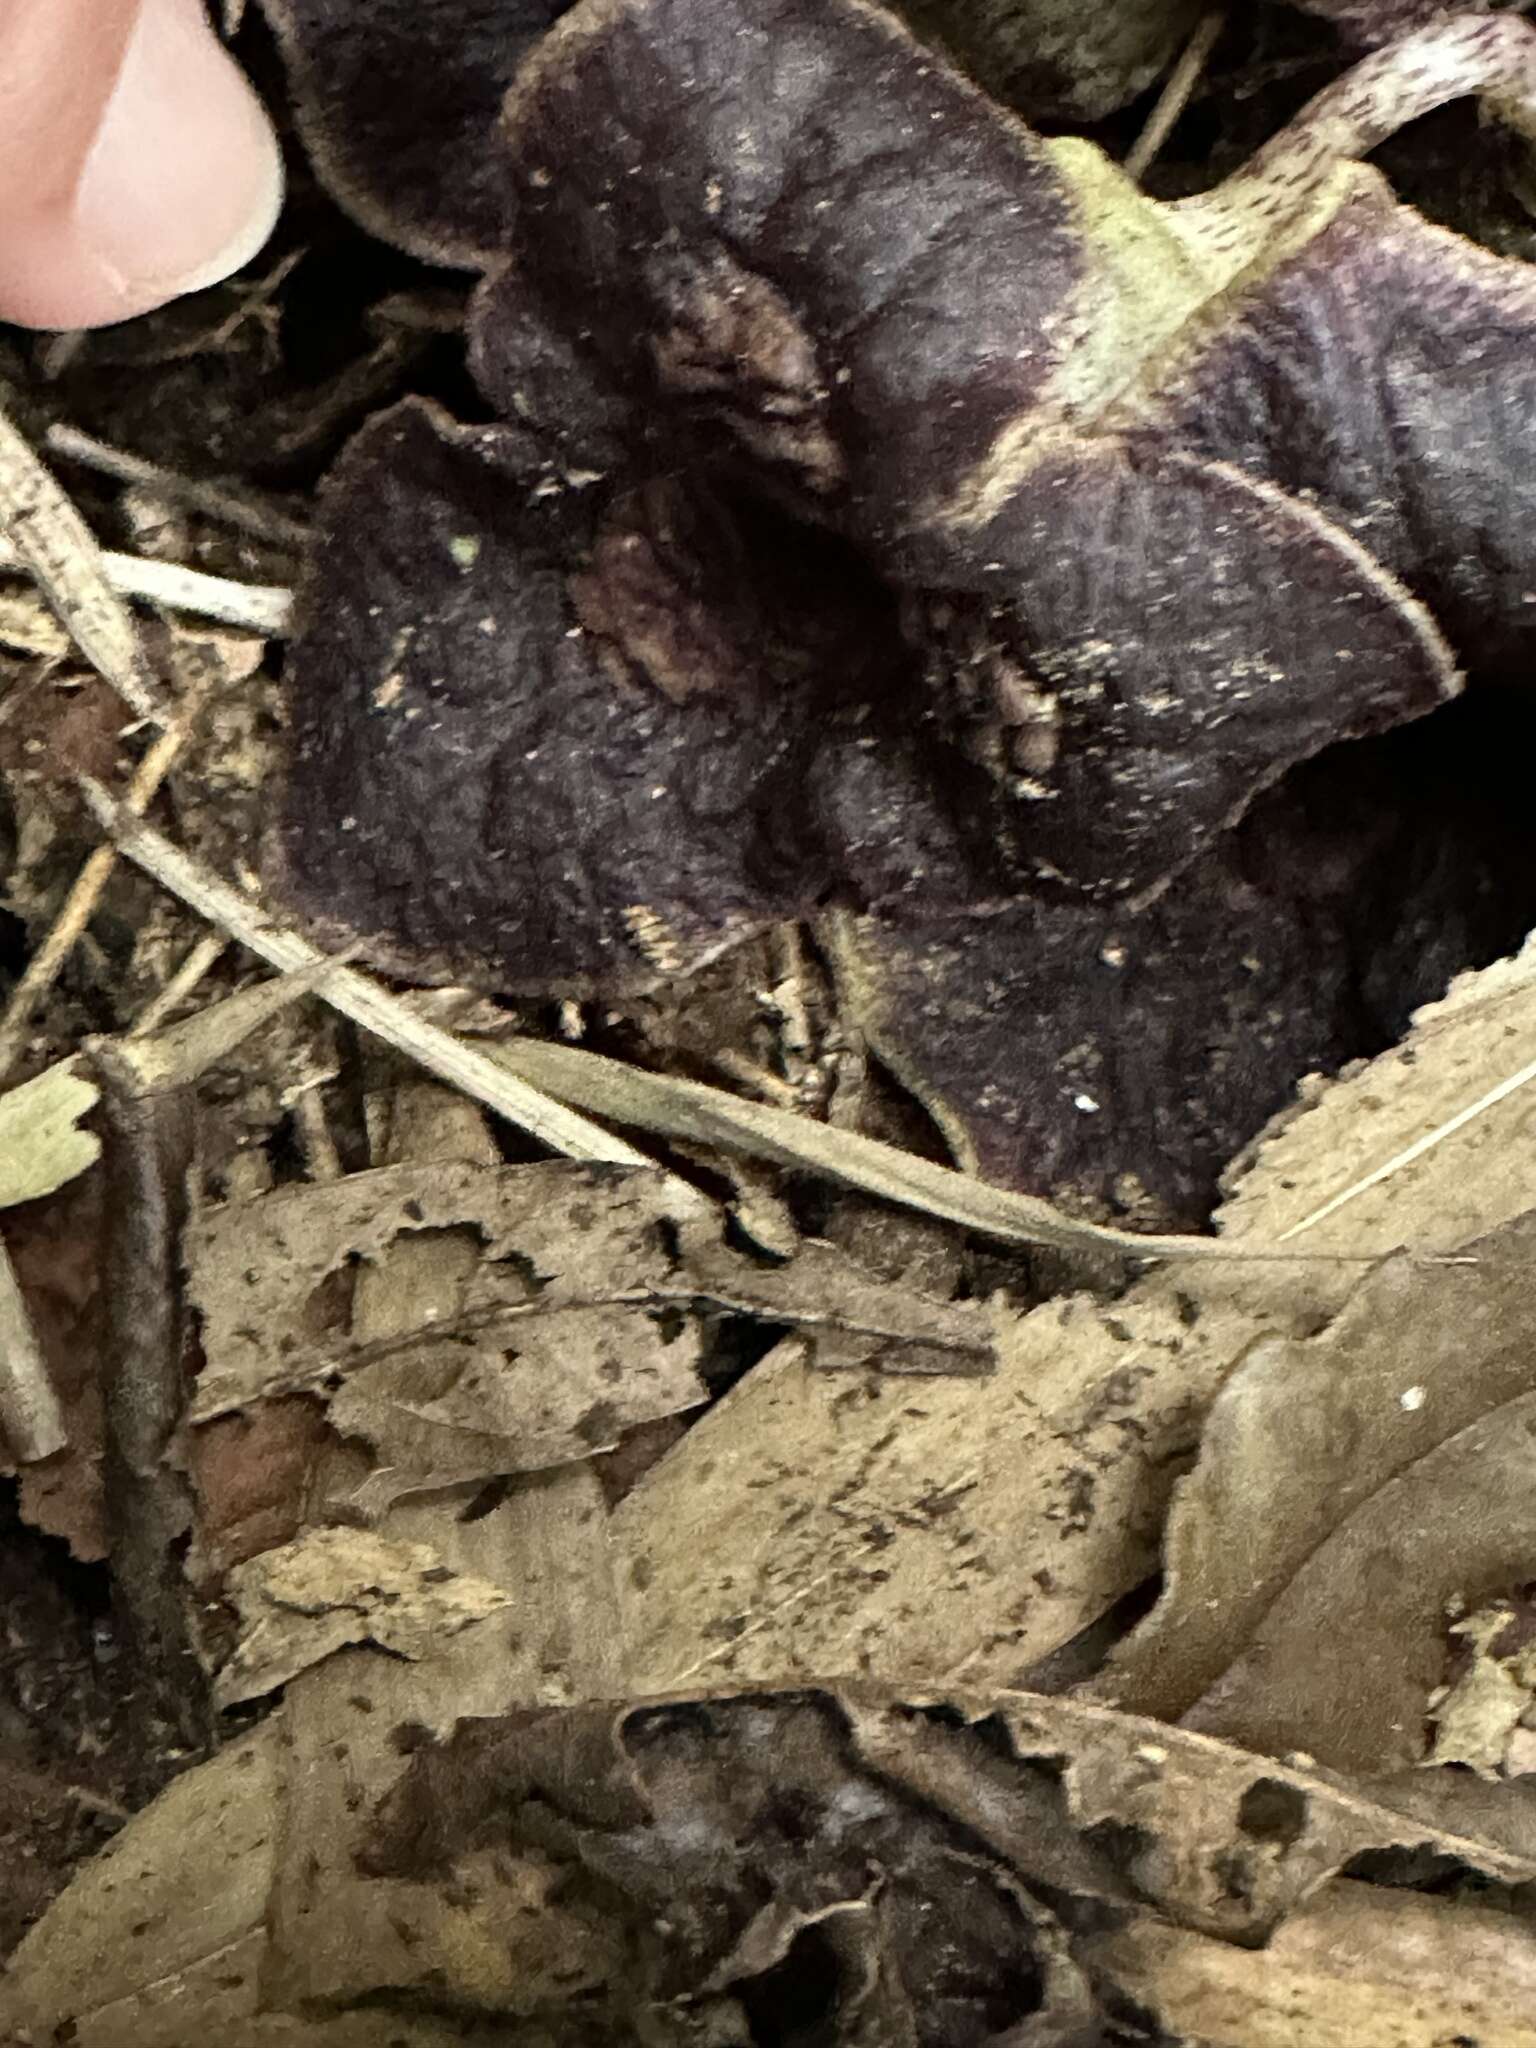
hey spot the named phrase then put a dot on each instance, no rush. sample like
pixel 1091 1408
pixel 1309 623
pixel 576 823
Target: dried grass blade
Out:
pixel 676 1108
pixel 231 506
pixel 452 1059
pixel 60 551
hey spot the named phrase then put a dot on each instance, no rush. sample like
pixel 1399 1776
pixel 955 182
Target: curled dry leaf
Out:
pixel 805 312
pixel 734 1829
pixel 1356 1492
pixel 934 1870
pixel 1070 1800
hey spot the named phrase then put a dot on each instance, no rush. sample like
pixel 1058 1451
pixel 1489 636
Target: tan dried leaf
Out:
pixel 947 1532
pixel 1357 1968
pixel 1344 1132
pixel 1481 1720
pixel 1355 1491
pixel 41 1143
pixel 309 1598
pixel 558 1312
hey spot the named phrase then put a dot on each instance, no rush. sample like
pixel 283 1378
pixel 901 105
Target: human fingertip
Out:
pixel 179 182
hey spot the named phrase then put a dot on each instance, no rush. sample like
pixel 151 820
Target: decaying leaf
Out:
pixel 235 1898
pixel 307 1599
pixel 1068 1799
pixel 562 1311
pixel 1358 1967
pixel 1356 1491
pixel 1481 1720
pixel 737 1830
pixel 41 1143
pixel 1069 594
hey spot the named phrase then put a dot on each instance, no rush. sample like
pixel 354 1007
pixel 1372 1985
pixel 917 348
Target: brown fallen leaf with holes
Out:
pixel 949 1869
pixel 567 1312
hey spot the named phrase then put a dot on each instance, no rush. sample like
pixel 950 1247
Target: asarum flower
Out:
pixel 899 518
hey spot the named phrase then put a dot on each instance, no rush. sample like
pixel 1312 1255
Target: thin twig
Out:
pixel 322 1162
pixel 55 546
pixel 1174 97
pixel 31 1420
pixel 229 505
pixel 79 906
pixel 209 948
pixel 263 608
pixel 452 1059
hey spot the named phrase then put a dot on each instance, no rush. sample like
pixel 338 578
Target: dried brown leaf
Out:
pixel 562 1869
pixel 558 1312
pixel 305 1600
pixel 336 1934
pixel 952 1532
pixel 1346 1134
pixel 1355 1491
pixel 1356 1968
